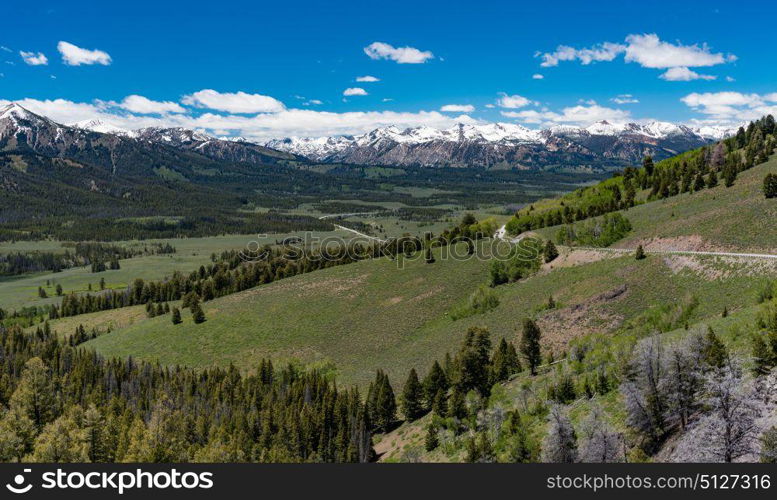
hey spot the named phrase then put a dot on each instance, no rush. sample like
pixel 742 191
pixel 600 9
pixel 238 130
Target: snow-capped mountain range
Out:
pixel 23 129
pixel 500 145
pixel 504 144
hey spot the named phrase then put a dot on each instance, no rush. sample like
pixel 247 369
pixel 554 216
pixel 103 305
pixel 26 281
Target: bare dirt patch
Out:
pixel 560 326
pixel 575 257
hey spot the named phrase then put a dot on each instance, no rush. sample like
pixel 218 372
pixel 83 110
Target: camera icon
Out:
pixel 18 482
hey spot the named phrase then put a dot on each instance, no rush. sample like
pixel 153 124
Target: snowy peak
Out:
pixel 502 144
pixel 102 127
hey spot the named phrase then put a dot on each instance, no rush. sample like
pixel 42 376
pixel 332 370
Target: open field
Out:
pixel 22 291
pixel 369 315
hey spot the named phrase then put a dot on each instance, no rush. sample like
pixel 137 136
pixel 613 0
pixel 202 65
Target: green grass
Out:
pixel 738 218
pixel 20 291
pixel 372 315
pixel 357 316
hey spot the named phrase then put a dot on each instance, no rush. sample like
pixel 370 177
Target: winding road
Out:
pixel 502 234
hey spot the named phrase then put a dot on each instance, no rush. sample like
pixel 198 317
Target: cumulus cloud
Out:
pixel 731 107
pixel 401 55
pixel 144 105
pixel 259 127
pixel 34 59
pixel 581 115
pixel 367 78
pixel 354 91
pixel 233 102
pixel 458 108
pixel 537 76
pixel 647 50
pixel 683 74
pixel 603 52
pixel 512 101
pixel 73 55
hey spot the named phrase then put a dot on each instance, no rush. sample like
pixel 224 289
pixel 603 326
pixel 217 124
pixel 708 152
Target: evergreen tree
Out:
pixel 712 179
pixel 59 290
pixel 432 441
pixel 176 316
pixel 714 352
pixel 440 404
pixel 198 315
pixel 530 345
pixel 504 362
pixel 434 382
pixel 412 397
pixel 550 252
pixel 770 186
pixel 383 404
pixel 42 293
pixel 429 256
pixel 640 253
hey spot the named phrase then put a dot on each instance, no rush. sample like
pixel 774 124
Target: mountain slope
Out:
pixel 602 145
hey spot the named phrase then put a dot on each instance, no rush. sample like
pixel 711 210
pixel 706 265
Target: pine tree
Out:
pixel 42 293
pixel 198 315
pixel 412 397
pixel 770 186
pixel 59 290
pixel 530 344
pixel 176 316
pixel 550 252
pixel 432 441
pixel 714 352
pixel 640 253
pixel 434 382
pixel 712 179
pixel 429 256
pixel 440 404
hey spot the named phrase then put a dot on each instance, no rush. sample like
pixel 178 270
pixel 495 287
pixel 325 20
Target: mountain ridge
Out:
pixel 507 144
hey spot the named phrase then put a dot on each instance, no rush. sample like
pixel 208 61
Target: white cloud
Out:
pixel 650 52
pixel 647 50
pixel 537 76
pixel 313 102
pixel 731 107
pixel 233 102
pixel 144 105
pixel 683 74
pixel 490 106
pixel 5 49
pixel 625 99
pixel 73 55
pixel 603 52
pixel 387 99
pixel 34 59
pixel 582 115
pixel 367 78
pixel 401 55
pixel 458 108
pixel 354 91
pixel 512 101
pixel 260 127
pixel 730 79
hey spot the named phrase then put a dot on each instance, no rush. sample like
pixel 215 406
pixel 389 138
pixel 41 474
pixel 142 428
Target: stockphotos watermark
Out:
pixel 111 482
pixel 402 250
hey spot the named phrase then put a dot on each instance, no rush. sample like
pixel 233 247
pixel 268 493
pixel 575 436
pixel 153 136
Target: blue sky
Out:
pixel 281 68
